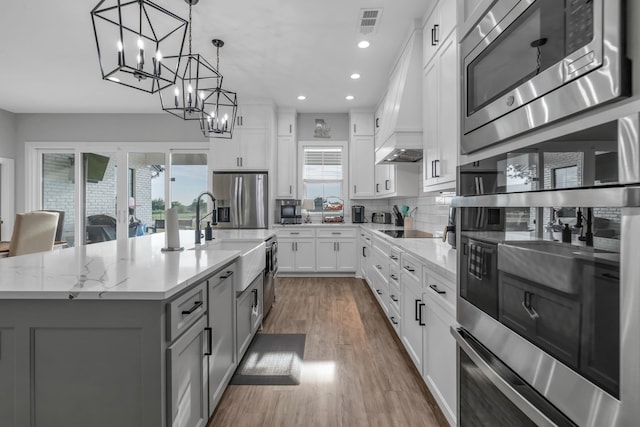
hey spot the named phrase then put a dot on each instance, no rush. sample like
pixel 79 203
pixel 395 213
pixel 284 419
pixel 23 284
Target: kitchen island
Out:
pixel 116 333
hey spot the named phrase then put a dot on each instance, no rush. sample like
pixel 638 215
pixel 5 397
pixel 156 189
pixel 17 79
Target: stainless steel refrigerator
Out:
pixel 242 199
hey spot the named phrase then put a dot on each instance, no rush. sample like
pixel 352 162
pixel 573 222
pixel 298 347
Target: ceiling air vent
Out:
pixel 369 20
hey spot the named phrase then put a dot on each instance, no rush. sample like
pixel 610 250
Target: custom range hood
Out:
pixel 399 138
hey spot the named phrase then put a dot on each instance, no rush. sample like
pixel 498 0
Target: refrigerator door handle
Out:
pixel 240 199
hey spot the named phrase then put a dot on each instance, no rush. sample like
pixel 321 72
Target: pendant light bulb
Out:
pixel 190 88
pixel 202 95
pixel 158 56
pixel 176 91
pixel 213 114
pixel 120 46
pixel 140 43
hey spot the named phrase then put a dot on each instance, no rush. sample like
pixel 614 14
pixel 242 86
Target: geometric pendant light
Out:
pixel 220 107
pixel 139 43
pixel 196 79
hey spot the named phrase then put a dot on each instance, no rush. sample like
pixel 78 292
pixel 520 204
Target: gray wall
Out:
pixel 339 124
pixel 93 128
pixel 8 136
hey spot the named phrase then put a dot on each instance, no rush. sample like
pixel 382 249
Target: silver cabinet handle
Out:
pixel 291 189
pixel 378 291
pixel 394 277
pixel 294 232
pixel 338 243
pixel 355 189
pixel 290 128
pixel 336 233
pixel 409 269
pixel 386 184
pixel 393 257
pixel 354 128
pixel 393 298
pixel 379 267
pixel 393 320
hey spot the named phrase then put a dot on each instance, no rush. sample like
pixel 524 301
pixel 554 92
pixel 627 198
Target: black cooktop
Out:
pixel 407 234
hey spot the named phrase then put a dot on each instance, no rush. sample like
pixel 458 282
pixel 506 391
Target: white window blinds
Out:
pixel 322 164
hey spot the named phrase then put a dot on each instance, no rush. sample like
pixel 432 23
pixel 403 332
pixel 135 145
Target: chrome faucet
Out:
pixel 213 199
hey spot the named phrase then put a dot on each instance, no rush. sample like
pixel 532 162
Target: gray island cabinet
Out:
pixel 140 338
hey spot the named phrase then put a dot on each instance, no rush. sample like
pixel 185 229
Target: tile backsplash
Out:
pixel 432 211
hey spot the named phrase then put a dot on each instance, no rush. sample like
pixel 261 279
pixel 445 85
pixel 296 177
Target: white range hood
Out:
pixel 401 121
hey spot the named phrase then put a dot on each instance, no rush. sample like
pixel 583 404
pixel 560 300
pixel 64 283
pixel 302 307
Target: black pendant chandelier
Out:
pixel 220 107
pixel 195 81
pixel 139 43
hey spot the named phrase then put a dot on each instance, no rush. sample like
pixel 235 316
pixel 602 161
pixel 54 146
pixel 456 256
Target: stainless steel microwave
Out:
pixel 528 63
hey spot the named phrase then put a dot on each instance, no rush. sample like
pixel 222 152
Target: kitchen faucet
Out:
pixel 588 237
pixel 213 199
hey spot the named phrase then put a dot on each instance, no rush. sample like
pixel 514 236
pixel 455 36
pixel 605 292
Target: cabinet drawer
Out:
pixel 335 233
pixel 394 318
pixel 381 244
pixel 185 310
pixel 394 295
pixel 394 255
pixel 365 237
pixel 411 266
pixel 442 289
pixel 295 233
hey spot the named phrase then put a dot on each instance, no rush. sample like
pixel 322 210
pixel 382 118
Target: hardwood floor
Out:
pixel 355 372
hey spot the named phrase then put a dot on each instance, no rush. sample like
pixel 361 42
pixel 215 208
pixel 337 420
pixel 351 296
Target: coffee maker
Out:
pixel 357 214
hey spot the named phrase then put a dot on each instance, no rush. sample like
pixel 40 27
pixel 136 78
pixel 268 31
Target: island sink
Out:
pixel 252 260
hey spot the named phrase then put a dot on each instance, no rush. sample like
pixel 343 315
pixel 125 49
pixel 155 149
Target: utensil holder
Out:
pixel 408 223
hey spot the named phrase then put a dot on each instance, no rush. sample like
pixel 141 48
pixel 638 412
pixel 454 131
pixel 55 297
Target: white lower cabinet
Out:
pixel 221 324
pixel 187 382
pixel 412 312
pixel 296 255
pixel 336 255
pixel 439 356
pixel 248 315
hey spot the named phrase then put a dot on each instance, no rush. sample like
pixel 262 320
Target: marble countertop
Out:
pixel 243 235
pixel 433 252
pixel 132 269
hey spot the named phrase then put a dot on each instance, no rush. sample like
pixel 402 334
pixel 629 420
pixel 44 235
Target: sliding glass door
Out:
pixel 115 193
pixel 58 193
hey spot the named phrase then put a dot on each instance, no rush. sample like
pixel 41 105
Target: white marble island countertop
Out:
pixel 132 269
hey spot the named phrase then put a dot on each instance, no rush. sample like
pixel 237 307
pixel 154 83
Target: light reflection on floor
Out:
pixel 318 371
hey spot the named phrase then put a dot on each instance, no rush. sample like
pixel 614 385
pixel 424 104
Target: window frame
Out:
pixel 344 145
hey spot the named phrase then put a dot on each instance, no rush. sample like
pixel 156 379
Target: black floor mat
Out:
pixel 272 359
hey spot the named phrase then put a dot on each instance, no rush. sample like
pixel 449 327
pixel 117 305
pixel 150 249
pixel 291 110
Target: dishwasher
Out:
pixel 270 275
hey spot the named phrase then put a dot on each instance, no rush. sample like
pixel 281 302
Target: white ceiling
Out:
pixel 275 49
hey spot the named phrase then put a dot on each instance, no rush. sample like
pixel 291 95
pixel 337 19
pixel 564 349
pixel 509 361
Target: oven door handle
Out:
pixel 507 388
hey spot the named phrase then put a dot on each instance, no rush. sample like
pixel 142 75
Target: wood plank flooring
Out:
pixel 355 371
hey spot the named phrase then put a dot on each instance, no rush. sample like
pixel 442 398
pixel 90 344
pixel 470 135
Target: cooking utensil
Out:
pixel 399 219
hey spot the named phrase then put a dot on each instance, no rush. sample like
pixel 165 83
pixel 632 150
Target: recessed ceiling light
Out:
pixel 114 79
pixel 363 44
pixel 349 97
pixel 355 76
pixel 302 97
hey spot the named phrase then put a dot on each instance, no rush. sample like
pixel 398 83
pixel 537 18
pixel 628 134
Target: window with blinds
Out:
pixel 322 174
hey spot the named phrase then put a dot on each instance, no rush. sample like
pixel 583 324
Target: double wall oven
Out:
pixel 548 297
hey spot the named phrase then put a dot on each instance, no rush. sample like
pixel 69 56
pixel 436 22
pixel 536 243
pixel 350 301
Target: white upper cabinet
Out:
pixel 438 27
pixel 361 156
pixel 286 171
pixel 396 180
pixel 253 116
pixel 250 147
pixel 362 124
pixel 377 122
pixel 286 123
pixel 441 112
pixel 361 167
